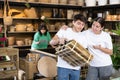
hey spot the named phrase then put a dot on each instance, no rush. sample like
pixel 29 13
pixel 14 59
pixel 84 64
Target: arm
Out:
pixel 105 50
pixel 36 38
pixel 54 41
pixel 108 49
pixel 59 38
pixel 49 36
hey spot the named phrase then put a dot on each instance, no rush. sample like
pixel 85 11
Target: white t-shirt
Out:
pixel 100 58
pixel 69 34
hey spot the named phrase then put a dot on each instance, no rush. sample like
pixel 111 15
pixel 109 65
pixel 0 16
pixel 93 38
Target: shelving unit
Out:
pixel 39 6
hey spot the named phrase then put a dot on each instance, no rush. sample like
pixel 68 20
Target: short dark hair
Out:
pixel 100 20
pixel 42 26
pixel 79 17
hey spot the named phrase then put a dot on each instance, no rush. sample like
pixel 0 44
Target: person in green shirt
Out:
pixel 41 38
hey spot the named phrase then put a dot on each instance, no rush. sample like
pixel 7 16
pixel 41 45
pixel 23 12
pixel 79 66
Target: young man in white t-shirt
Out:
pixel 65 70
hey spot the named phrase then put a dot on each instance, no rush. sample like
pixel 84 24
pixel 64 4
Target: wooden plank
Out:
pixel 8 73
pixel 42 52
pixel 7 64
pixel 8 51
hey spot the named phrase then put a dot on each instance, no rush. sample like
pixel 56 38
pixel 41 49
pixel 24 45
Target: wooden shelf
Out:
pixel 113 21
pixel 21 32
pixel 23 18
pixel 16 46
pixel 26 18
pixel 110 6
pixel 46 5
pixel 53 31
pixel 57 19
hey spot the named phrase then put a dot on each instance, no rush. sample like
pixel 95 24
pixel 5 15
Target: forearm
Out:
pixel 106 50
pixel 54 41
pixel 36 42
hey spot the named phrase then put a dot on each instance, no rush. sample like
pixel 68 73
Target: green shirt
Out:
pixel 44 40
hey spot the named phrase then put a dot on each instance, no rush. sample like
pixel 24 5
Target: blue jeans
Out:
pixel 99 73
pixel 68 74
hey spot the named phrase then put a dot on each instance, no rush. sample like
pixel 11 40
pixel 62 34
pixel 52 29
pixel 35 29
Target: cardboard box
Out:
pixel 30 67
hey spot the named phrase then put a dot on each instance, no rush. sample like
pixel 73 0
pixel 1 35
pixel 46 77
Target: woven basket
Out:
pixel 52 27
pixel 80 2
pixel 119 17
pixel 1 13
pixel 114 17
pixel 47 66
pixel 31 13
pixel 20 27
pixel 62 1
pixel 29 27
pixel 31 0
pixel 108 17
pixel 16 13
pixel 20 0
pixel 7 19
pixel 72 2
pixel 54 1
pixel 46 12
pixel 19 42
pixel 69 14
pixel 11 41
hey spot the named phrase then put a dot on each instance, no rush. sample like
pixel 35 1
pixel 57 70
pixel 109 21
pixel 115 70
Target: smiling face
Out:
pixel 78 25
pixel 96 27
pixel 78 22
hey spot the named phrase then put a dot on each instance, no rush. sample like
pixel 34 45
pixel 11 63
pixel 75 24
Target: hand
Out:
pixel 96 46
pixel 62 41
pixel 64 27
pixel 54 42
pixel 37 42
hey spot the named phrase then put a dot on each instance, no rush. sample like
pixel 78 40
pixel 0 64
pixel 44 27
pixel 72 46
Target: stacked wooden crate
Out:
pixel 29 66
